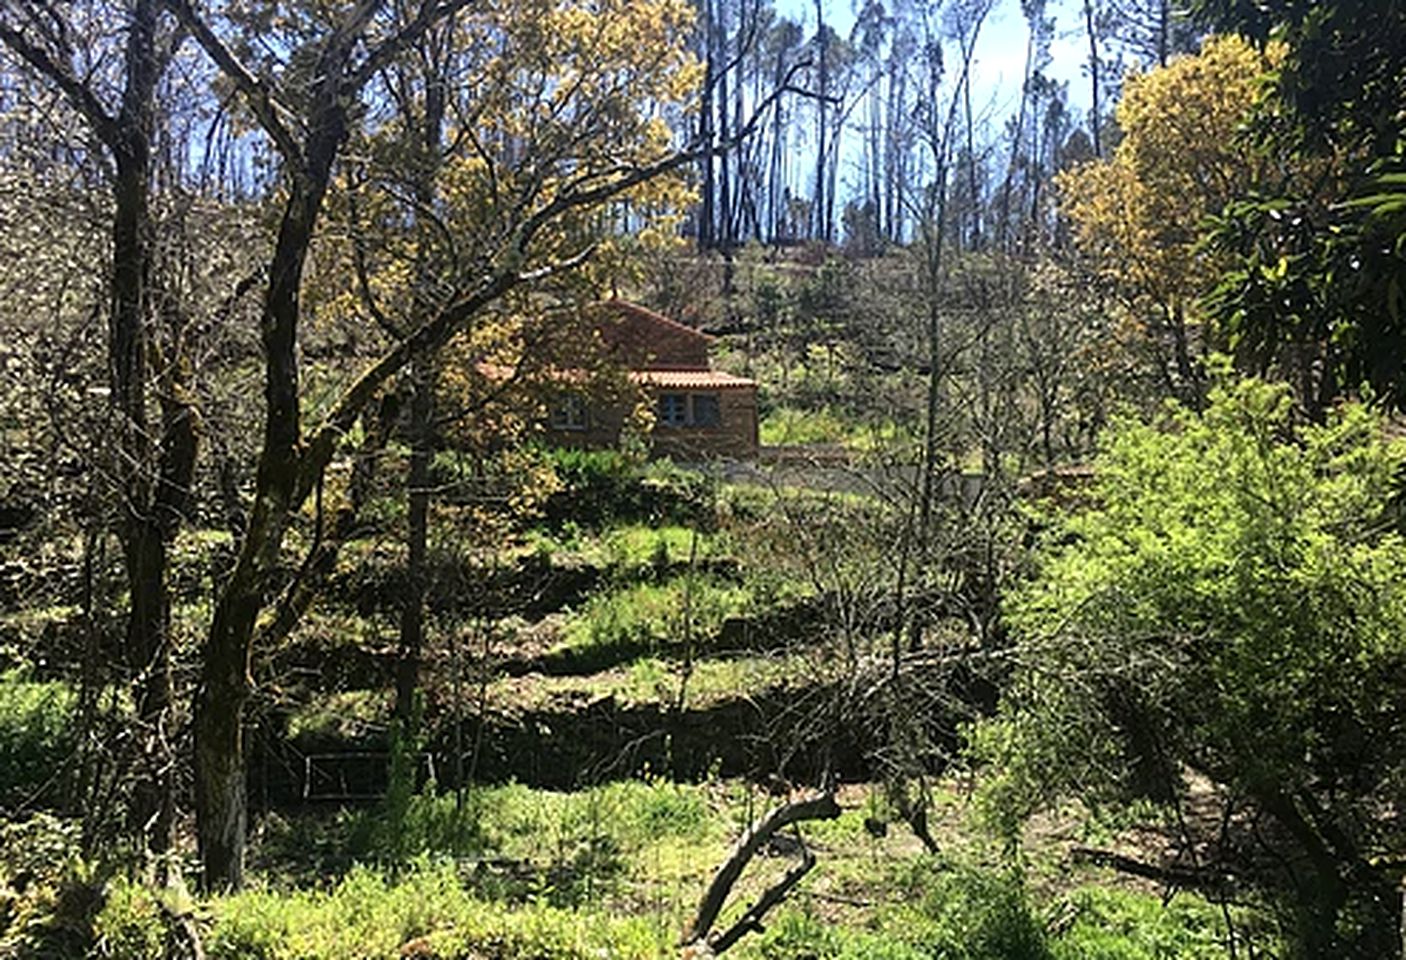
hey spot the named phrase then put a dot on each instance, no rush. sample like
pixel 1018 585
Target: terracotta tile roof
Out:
pixel 658 352
pixel 691 379
pixel 625 308
pixel 642 339
pixel 669 379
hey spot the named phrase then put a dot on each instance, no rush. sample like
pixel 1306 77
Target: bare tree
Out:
pixel 155 432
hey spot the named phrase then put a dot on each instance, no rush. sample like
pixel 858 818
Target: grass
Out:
pixel 612 871
pixel 787 426
pixel 616 871
pixel 650 680
pixel 644 618
pixel 427 912
pixel 625 551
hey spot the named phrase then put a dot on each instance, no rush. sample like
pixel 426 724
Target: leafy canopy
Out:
pixel 1233 610
pixel 1317 263
pixel 1137 213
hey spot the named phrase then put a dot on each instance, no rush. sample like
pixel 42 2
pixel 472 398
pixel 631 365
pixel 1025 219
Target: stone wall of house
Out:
pixel 734 437
pixel 603 425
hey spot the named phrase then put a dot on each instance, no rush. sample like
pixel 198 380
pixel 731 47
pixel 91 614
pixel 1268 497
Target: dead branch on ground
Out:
pixel 698 940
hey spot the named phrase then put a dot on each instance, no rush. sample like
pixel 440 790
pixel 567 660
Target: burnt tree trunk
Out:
pixel 151 474
pixel 225 680
pixel 423 375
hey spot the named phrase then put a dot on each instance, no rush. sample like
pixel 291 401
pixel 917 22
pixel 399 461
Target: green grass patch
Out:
pixel 626 551
pixel 36 736
pixel 653 680
pixel 427 913
pixel 616 870
pixel 793 426
pixel 1113 924
pixel 645 618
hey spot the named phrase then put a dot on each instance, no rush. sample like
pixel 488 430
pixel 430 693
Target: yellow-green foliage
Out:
pixel 43 901
pixel 36 735
pixel 129 926
pixel 655 680
pixel 428 913
pixel 1112 924
pixel 826 425
pixel 649 616
pixel 346 714
pixel 1138 212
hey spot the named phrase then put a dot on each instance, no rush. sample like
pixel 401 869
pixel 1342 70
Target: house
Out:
pixel 699 413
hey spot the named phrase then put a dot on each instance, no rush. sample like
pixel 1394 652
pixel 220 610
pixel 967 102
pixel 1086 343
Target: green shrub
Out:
pixel 970 913
pixel 129 926
pixel 1114 924
pixel 1233 603
pixel 601 487
pixel 46 897
pixel 36 737
pixel 365 916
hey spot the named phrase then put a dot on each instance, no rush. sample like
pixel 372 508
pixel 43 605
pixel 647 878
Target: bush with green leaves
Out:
pixel 36 738
pixel 601 487
pixel 1228 626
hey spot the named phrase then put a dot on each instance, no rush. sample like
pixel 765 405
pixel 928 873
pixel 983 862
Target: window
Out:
pixel 689 410
pixel 673 409
pixel 568 413
pixel 706 411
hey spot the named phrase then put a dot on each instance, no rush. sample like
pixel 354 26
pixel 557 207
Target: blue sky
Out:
pixel 998 67
pixel 1000 52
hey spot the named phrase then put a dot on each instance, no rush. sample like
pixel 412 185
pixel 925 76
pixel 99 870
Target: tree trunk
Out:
pixel 707 214
pixel 1017 141
pixel 412 619
pixel 422 375
pixel 822 228
pixel 1095 117
pixel 279 489
pixel 154 480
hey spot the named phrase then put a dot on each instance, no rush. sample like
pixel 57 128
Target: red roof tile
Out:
pixel 691 379
pixel 642 339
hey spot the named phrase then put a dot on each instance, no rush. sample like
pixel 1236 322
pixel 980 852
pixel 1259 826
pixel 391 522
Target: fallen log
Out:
pixel 700 941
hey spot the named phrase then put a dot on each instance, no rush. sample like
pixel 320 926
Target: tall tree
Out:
pixel 155 449
pixel 532 169
pixel 1095 69
pixel 1037 55
pixel 1180 160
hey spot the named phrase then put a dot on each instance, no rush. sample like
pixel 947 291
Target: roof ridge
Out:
pixel 629 306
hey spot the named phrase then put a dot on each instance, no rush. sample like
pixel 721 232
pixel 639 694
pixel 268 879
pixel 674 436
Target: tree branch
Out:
pixel 78 94
pixel 821 807
pixel 431 12
pixel 257 93
pixel 1187 879
pixel 752 919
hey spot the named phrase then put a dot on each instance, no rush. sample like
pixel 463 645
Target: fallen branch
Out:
pixel 180 920
pixel 821 807
pixel 1188 879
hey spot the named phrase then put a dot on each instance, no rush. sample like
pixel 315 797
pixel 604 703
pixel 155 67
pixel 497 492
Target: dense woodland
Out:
pixel 1063 615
